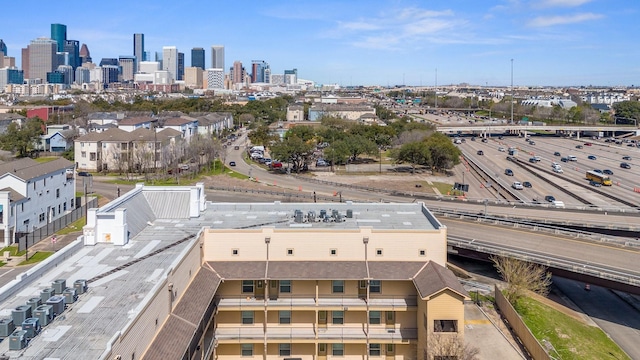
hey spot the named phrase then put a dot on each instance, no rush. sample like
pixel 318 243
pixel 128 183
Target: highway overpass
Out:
pixel 488 128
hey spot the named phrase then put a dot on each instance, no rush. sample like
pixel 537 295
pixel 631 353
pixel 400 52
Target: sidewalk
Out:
pixel 44 245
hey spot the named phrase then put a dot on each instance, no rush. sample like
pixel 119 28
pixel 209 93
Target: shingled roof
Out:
pixel 27 169
pixel 434 278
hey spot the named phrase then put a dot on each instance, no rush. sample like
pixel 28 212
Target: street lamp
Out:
pixel 511 91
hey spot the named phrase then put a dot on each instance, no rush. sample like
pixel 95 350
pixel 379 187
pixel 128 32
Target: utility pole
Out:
pixel 511 91
pixel 435 90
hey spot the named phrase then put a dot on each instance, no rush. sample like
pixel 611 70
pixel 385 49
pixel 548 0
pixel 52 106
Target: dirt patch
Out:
pixel 418 183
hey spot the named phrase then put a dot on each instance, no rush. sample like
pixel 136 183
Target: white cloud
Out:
pixel 543 21
pixel 559 3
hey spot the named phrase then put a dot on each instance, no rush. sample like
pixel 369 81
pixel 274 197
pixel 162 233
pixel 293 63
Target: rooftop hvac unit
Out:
pixel 34 302
pixel 335 213
pixel 45 294
pixel 298 216
pixel 6 327
pixel 59 286
pixel 70 295
pixel 44 313
pixel 311 216
pixel 349 213
pixel 20 313
pixel 31 326
pixel 323 214
pixel 80 286
pixel 18 340
pixel 57 303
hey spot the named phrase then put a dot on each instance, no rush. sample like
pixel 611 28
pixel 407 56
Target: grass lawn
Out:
pixel 73 227
pixel 46 159
pixel 445 188
pixel 13 250
pixel 37 257
pixel 572 339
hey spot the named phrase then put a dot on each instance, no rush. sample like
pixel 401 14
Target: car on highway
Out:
pixel 598 171
pixel 531 142
pixel 517 185
pixel 527 184
pixel 549 198
pixel 558 169
pixel 232 163
pixel 595 183
pixel 480 152
pixel 626 158
pixel 625 165
pixel 502 149
pixel 587 144
pixel 578 146
pixel 484 140
pixel 508 172
pixel 591 157
pixel 607 171
pixel 557 153
pixel 564 159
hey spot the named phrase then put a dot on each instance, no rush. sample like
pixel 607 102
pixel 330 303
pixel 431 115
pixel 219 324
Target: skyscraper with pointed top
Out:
pixel 85 56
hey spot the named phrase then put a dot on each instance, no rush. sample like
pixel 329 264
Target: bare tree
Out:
pixel 449 346
pixel 522 276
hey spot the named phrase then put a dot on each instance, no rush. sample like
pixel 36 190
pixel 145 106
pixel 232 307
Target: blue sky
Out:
pixel 372 42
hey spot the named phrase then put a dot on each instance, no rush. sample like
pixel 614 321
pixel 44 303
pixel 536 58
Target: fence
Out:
pixel 26 240
pixel 520 328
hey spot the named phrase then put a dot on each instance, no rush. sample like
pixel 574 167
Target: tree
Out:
pixel 444 154
pixel 449 346
pixel 22 140
pixel 627 109
pixel 262 136
pixel 359 144
pixel 338 152
pixel 293 149
pixel 414 153
pixel 521 276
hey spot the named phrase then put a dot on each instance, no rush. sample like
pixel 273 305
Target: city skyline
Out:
pixel 552 42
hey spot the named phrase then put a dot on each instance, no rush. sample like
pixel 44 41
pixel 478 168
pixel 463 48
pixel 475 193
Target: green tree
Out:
pixel 338 152
pixel 22 140
pixel 627 109
pixel 359 145
pixel 444 154
pixel 293 150
pixel 414 153
pixel 306 133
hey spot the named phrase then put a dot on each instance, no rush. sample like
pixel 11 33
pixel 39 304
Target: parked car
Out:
pixel 607 171
pixel 84 173
pixel 591 157
pixel 625 165
pixel 549 198
pixel 236 147
pixel 517 185
pixel 508 172
pixel 527 184
pixel 275 164
pixel 321 162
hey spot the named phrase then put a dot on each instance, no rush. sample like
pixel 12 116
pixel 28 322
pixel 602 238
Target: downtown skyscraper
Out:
pixel 197 58
pixel 42 58
pixel 170 61
pixel 217 57
pixel 59 34
pixel 138 50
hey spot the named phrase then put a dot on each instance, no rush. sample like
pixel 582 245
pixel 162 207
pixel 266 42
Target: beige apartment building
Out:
pixel 365 281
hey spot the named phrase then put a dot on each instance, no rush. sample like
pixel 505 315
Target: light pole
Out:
pixel 511 91
pixel 435 90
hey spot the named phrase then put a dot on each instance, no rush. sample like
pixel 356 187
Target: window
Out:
pixel 337 317
pixel 247 317
pixel 285 286
pixel 259 284
pixel 322 349
pixel 338 286
pixel 247 350
pixel 289 252
pixel 362 284
pixel 337 349
pixel 247 286
pixel 234 251
pixel 375 317
pixel 333 252
pixel 422 252
pixel 375 286
pixel 390 349
pixel 378 252
pixel 57 193
pixel 445 325
pixel 375 350
pixel 83 154
pixel 285 349
pixel 284 316
pixel 41 217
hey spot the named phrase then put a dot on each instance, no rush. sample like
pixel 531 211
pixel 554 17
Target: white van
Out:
pixel 572 158
pixel 557 168
pixel 558 204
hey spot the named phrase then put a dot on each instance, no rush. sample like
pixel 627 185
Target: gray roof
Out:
pixel 434 278
pixel 112 134
pixel 27 169
pixel 13 195
pixel 238 270
pixel 409 217
pixel 10 116
pixel 321 270
pixel 394 270
pixel 136 120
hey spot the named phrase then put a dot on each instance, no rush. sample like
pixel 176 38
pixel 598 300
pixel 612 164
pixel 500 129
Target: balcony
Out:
pixel 292 301
pixel 275 332
pixel 394 335
pixel 341 301
pixel 238 334
pixel 400 302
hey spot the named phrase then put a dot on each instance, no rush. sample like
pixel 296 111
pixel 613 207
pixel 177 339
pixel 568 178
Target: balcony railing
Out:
pixel 239 333
pixel 397 301
pixel 327 300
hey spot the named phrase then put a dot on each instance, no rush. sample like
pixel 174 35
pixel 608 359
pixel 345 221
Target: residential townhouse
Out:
pixel 186 125
pixel 214 124
pixel 33 194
